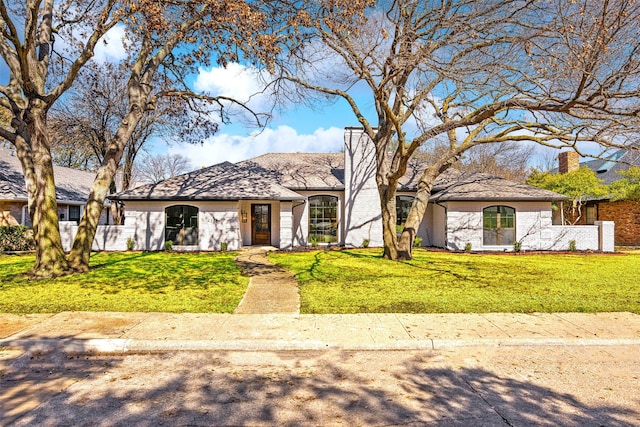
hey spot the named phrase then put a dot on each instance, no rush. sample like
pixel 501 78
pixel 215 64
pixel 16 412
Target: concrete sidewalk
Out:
pixel 120 333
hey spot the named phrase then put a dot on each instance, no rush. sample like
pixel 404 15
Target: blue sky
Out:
pixel 294 128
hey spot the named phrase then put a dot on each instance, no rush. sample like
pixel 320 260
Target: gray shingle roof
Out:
pixel 277 176
pixel 224 181
pixel 71 185
pixel 301 171
pixel 482 187
pixel 608 169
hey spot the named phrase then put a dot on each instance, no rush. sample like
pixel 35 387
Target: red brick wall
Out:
pixel 626 215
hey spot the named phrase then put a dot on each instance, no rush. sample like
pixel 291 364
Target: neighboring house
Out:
pixel 290 200
pixel 625 213
pixel 72 189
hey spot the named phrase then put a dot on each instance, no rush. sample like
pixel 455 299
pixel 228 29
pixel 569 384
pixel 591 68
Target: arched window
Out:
pixel 323 219
pixel 499 226
pixel 181 225
pixel 403 205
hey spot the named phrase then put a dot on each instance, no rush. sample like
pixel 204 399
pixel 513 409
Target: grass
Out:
pixel 359 281
pixel 127 281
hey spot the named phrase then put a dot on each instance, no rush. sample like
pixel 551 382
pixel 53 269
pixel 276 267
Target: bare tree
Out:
pixel 167 41
pixel 154 168
pixel 504 159
pixel 83 124
pixel 468 73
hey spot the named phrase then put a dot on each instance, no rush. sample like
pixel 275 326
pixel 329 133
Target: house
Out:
pixel 291 200
pixel 625 213
pixel 72 189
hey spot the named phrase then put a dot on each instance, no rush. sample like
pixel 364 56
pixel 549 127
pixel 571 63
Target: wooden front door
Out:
pixel 260 224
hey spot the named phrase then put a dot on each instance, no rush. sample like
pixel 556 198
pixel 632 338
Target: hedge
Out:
pixel 16 238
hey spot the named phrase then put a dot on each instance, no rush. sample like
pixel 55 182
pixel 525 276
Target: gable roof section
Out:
pixel 224 181
pixel 72 186
pixel 483 187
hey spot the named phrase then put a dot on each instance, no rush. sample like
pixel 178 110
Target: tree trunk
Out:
pixel 415 217
pixel 50 257
pixel 81 251
pixel 389 236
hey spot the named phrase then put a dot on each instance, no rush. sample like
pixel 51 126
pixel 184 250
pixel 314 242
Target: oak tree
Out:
pixel 464 73
pixel 45 44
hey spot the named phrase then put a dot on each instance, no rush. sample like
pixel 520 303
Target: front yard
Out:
pixel 351 281
pixel 127 281
pixel 358 281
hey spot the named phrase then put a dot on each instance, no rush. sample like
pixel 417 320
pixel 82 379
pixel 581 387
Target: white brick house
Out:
pixel 289 200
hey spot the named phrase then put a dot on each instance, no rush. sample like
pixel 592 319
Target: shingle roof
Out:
pixel 484 187
pixel 608 168
pixel 71 185
pixel 301 171
pixel 224 181
pixel 276 176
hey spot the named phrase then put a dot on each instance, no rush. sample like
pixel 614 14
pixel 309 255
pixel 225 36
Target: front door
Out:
pixel 260 224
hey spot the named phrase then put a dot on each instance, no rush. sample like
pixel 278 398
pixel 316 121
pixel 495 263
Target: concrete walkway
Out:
pixel 271 289
pixel 121 333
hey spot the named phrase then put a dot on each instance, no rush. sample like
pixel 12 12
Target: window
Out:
pixel 403 205
pixel 181 225
pixel 590 215
pixel 323 218
pixel 499 226
pixel 74 213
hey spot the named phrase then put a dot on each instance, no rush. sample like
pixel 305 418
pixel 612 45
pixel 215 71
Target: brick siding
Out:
pixel 626 215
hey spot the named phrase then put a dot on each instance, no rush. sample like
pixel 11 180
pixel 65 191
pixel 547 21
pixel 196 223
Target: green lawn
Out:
pixel 359 281
pixel 127 281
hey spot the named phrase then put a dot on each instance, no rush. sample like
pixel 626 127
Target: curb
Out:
pixel 120 346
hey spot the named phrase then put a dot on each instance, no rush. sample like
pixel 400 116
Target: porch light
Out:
pixel 243 213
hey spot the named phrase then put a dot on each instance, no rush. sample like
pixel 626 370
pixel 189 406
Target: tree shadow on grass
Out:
pixel 303 388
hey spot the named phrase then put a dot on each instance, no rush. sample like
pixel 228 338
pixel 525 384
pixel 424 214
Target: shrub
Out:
pixel 16 238
pixel 224 246
pixel 168 245
pixel 572 246
pixel 467 247
pixel 365 243
pixel 417 242
pixel 517 246
pixel 130 243
pixel 314 241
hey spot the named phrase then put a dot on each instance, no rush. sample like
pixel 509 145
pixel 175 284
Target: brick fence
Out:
pixel 626 215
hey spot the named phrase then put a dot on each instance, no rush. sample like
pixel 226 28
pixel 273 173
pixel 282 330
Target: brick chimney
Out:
pixel 568 161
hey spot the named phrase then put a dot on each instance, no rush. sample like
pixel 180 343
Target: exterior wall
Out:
pixel 626 215
pixel 438 237
pixel 362 216
pixel 108 237
pixel 11 213
pixel 534 229
pixel 301 217
pixel 286 225
pixel 217 222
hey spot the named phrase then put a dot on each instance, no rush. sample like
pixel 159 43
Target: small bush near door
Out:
pixel 130 244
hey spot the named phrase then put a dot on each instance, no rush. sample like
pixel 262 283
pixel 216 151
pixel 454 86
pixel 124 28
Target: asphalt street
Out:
pixel 459 386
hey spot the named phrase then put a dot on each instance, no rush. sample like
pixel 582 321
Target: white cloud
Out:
pixel 284 139
pixel 235 81
pixel 111 48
